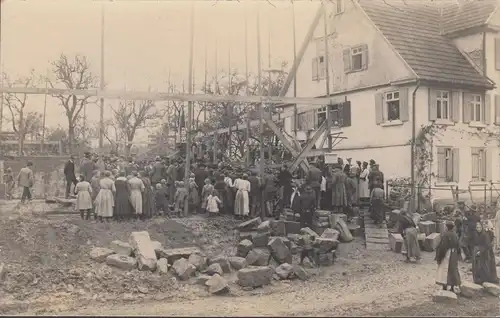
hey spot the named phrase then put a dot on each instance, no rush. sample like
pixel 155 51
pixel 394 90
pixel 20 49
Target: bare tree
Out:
pixel 73 74
pixel 130 116
pixel 23 122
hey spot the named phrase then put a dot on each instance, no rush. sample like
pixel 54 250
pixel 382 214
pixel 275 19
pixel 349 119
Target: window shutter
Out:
pixel 432 105
pixel 455 106
pixel 497 53
pixel 487 109
pixel 315 69
pixel 364 56
pixel 497 109
pixel 310 120
pixel 441 169
pixel 456 164
pixel 488 164
pixel 379 108
pixel 467 108
pixel 346 114
pixel 347 60
pixel 404 109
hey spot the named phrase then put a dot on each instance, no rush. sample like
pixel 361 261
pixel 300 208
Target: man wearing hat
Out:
pixel 158 171
pixel 471 218
pixel 87 166
pixel 26 180
pixel 69 173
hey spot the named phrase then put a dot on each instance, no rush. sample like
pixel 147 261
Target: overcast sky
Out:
pixel 145 41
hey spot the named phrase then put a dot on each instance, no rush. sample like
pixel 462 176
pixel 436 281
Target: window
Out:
pixel 341 115
pixel 356 59
pixel 476 107
pixel 321 116
pixel 443 105
pixel 479 164
pixel 392 106
pixel 321 67
pixel 339 6
pixel 447 164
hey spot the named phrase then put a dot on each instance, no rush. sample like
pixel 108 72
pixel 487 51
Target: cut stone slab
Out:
pixel 183 269
pixel 335 217
pixel 243 248
pixel 285 240
pixel 258 257
pixel 322 213
pixel 121 248
pixel 217 285
pixel 213 269
pixel 264 227
pixel 308 231
pixel 345 234
pixel 279 250
pixel 284 271
pixel 255 276
pixel 427 227
pixel 445 297
pixel 237 262
pixel 292 227
pixel 121 261
pixel 162 266
pixel 355 230
pixel 100 254
pixel 492 289
pixel 199 261
pixel 249 225
pixel 421 240
pixel 326 245
pixel 471 290
pixel 432 241
pixel 222 261
pixel 396 242
pixel 174 254
pixel 278 228
pixel 300 272
pixel 331 234
pixel 260 239
pixel 157 246
pixel 144 250
pixel 202 279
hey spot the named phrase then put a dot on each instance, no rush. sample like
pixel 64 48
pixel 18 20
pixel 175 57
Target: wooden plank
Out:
pixel 308 147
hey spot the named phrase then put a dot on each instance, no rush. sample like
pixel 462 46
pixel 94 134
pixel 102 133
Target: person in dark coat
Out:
pixel 87 167
pixel 148 198
pixel 255 194
pixel 314 178
pixel 295 199
pixel 307 206
pixel 469 232
pixel 69 173
pixel 483 259
pixel 285 180
pixel 447 259
pixel 200 175
pixel 339 189
pixel 123 209
pixel 158 171
pixel 375 175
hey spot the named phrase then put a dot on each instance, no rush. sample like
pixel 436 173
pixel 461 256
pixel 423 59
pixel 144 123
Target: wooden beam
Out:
pixel 296 63
pixel 303 154
pixel 161 96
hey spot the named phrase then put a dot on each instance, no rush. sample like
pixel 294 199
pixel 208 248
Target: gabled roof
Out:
pixel 413 29
pixel 463 16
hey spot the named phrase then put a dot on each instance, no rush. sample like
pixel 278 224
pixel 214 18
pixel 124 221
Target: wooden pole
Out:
pixel 187 169
pixel 229 109
pixel 101 85
pixel 327 78
pixel 42 142
pixel 269 85
pixel 247 131
pixel 205 86
pixel 295 119
pixel 261 109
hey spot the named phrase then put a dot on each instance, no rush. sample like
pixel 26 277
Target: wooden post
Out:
pixel 261 111
pixel 101 85
pixel 248 119
pixel 295 119
pixel 42 141
pixel 327 78
pixel 187 169
pixel 229 108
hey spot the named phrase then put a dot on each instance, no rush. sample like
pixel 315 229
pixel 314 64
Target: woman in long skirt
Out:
pixel 447 259
pixel 483 258
pixel 94 183
pixel 148 197
pixel 123 206
pixel 205 192
pixel 408 231
pixel 136 189
pixel 241 204
pixel 83 192
pixel 104 202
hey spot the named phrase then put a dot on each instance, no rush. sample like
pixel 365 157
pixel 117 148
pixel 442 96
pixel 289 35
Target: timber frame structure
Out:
pixel 297 151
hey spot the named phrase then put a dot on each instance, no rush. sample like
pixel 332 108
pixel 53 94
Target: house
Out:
pixel 409 64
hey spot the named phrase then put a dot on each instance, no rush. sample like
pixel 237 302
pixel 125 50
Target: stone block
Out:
pixel 264 227
pixel 355 229
pixel 285 240
pixel 432 241
pixel 421 240
pixel 217 285
pixel 198 260
pixel 278 228
pixel 121 261
pixel 174 254
pixel 279 250
pixel 258 257
pixel 237 262
pixel 431 216
pixel 345 234
pixel 323 219
pixel 100 254
pixel 121 248
pixel 471 290
pixel 292 227
pixel 440 227
pixel 162 266
pixel 202 279
pixel 255 276
pixel 249 225
pixel 300 272
pixel 222 261
pixel 143 250
pixel 284 271
pixel 183 269
pixel 213 269
pixel 445 297
pixel 246 235
pixel 331 234
pixel 427 227
pixel 158 247
pixel 322 213
pixel 260 239
pixel 243 248
pixel 326 245
pixel 396 242
pixel 308 231
pixel 492 289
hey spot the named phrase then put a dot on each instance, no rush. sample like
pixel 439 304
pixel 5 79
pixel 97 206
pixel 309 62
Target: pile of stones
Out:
pixel 467 290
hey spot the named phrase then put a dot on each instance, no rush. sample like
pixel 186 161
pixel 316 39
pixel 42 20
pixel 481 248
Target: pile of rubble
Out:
pixel 467 290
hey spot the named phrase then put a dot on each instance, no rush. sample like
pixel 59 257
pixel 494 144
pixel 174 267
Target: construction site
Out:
pixel 356 101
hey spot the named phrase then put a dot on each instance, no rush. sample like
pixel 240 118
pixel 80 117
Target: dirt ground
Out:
pixel 49 272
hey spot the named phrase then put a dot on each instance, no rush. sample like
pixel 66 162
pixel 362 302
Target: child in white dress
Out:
pixel 213 202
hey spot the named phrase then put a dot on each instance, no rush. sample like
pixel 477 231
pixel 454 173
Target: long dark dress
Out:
pixel 447 259
pixel 483 259
pixel 123 207
pixel 408 231
pixel 307 206
pixel 339 191
pixel 148 199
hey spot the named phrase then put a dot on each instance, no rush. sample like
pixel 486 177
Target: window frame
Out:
pixel 440 99
pixel 477 104
pixel 386 108
pixel 357 51
pixel 321 67
pixel 481 165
